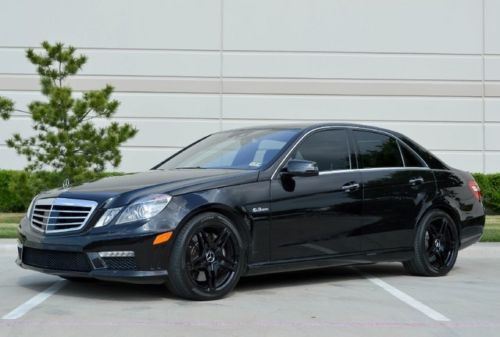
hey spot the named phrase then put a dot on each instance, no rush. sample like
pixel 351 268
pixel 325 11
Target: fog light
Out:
pixel 118 253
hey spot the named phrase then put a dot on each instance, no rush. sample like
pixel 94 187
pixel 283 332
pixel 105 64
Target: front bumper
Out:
pixel 127 276
pixel 78 255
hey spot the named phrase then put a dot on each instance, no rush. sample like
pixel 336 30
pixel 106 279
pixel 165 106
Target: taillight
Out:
pixel 474 188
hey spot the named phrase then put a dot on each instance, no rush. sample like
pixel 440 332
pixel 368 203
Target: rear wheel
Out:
pixel 436 245
pixel 207 258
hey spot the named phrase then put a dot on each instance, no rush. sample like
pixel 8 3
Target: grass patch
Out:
pixel 9 222
pixel 492 229
pixel 8 230
pixel 11 217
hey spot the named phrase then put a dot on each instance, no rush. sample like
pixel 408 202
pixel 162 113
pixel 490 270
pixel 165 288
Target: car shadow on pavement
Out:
pixel 107 291
pixel 115 291
pixel 319 276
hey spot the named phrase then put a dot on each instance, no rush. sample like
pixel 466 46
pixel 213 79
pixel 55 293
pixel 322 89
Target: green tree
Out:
pixel 66 138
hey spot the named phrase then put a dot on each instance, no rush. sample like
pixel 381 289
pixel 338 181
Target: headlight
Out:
pixel 144 208
pixel 108 216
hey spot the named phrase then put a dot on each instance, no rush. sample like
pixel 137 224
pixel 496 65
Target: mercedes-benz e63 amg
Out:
pixel 259 200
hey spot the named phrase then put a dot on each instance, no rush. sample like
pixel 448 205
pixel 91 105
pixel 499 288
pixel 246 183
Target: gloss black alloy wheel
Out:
pixel 436 245
pixel 207 258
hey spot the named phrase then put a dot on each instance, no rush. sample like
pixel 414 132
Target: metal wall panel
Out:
pixel 186 68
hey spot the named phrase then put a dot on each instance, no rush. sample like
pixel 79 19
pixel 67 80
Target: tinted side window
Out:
pixel 411 159
pixel 432 162
pixel 377 150
pixel 329 149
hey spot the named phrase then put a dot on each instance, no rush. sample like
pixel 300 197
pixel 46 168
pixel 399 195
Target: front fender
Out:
pixel 243 208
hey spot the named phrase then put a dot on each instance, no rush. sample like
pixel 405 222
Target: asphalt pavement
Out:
pixel 372 300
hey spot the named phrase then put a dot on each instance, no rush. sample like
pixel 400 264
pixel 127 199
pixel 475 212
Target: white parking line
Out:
pixel 403 297
pixel 34 301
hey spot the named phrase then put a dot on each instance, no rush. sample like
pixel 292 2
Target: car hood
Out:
pixel 122 189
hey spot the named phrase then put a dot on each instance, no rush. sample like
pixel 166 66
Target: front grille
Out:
pixel 53 215
pixel 120 263
pixel 56 260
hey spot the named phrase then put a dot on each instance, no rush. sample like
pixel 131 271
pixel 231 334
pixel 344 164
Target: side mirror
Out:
pixel 301 168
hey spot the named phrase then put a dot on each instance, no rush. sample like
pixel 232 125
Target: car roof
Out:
pixel 304 127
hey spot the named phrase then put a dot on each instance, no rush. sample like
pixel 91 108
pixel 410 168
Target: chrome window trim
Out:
pixel 335 171
pixel 375 169
pixel 341 127
pixel 400 152
pixel 350 151
pixel 63 202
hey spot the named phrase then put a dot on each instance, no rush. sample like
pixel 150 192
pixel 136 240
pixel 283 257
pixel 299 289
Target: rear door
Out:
pixel 393 194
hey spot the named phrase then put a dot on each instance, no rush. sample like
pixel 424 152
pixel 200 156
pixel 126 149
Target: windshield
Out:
pixel 240 149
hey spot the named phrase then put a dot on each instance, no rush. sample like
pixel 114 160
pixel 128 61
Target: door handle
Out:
pixel 416 181
pixel 350 187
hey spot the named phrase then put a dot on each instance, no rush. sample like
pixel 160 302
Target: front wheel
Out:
pixel 436 245
pixel 207 258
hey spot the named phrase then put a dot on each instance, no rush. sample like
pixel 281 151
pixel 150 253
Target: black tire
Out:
pixel 207 258
pixel 436 245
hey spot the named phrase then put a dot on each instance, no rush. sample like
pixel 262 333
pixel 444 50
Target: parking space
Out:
pixel 329 302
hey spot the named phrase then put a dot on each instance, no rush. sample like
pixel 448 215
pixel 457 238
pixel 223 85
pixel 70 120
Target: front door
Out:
pixel 319 215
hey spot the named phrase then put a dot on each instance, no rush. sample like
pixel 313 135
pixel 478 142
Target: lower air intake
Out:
pixel 56 260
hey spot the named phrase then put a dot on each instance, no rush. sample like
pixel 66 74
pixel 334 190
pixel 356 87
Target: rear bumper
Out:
pixel 472 231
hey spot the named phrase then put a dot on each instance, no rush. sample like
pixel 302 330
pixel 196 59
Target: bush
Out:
pixel 490 189
pixel 17 188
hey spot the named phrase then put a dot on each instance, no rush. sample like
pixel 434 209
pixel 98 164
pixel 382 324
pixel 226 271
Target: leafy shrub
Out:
pixel 17 188
pixel 490 189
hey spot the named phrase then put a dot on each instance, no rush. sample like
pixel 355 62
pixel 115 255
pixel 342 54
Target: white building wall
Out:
pixel 185 68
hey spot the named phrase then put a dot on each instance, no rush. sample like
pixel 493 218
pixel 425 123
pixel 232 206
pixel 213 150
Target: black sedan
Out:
pixel 259 200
